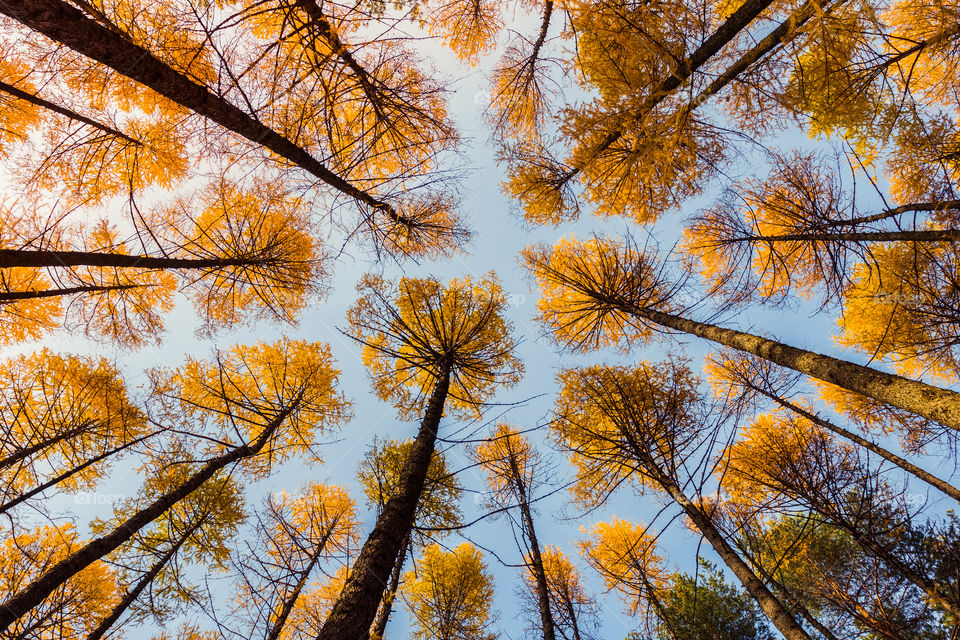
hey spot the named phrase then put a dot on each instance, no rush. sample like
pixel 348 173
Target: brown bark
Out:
pixel 383 616
pixel 131 596
pixel 73 115
pixel 25 452
pixel 940 405
pixel 15 296
pixel 10 258
pixel 68 26
pixel 355 609
pixel 925 235
pixel 34 593
pixel 769 603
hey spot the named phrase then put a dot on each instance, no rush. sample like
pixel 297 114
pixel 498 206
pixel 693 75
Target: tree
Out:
pixel 418 336
pixel 438 511
pixel 262 405
pixel 573 609
pixel 63 418
pixel 450 595
pixel 74 606
pixel 514 471
pixel 650 426
pixel 604 292
pixel 706 607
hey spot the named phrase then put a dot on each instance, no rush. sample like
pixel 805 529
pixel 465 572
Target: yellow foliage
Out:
pixel 626 557
pixel 449 595
pixel 468 27
pixel 75 608
pixel 17 117
pixel 506 459
pixel 318 514
pixel 411 330
pixel 247 389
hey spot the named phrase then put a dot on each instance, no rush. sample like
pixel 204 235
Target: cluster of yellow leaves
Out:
pixel 506 459
pixel 75 608
pixel 541 184
pixel 566 589
pixel 313 606
pixel 56 413
pixel 626 557
pixel 17 117
pixel 587 286
pixel 379 476
pixel 412 330
pixel 449 595
pixel 468 27
pixel 244 391
pixel 318 514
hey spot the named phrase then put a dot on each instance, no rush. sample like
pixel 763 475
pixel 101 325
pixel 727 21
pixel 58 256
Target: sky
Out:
pixel 499 236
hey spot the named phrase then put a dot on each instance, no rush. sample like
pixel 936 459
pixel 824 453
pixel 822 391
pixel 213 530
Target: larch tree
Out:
pixel 515 471
pixel 260 405
pixel 605 291
pixel 450 595
pixel 574 610
pixel 438 510
pixel 431 350
pixel 651 427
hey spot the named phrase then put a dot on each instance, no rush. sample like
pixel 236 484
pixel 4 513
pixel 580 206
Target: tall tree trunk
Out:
pixel 68 26
pixel 290 600
pixel 769 603
pixel 539 574
pixel 355 609
pixel 383 616
pixel 50 106
pixel 16 296
pixel 131 596
pixel 34 593
pixel 10 258
pixel 925 235
pixel 889 456
pixel 940 405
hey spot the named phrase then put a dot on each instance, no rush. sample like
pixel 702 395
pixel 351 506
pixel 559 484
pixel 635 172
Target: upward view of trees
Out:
pixel 740 411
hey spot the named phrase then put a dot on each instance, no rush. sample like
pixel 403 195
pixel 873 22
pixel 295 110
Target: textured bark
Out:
pixel 30 258
pixel 926 235
pixel 67 25
pixel 769 603
pixel 355 609
pixel 940 405
pixel 131 596
pixel 34 593
pixel 383 616
pixel 941 205
pixel 73 115
pixel 16 296
pixel 889 456
pixel 26 452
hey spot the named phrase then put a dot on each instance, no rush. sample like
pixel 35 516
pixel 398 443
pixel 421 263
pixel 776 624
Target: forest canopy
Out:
pixel 465 320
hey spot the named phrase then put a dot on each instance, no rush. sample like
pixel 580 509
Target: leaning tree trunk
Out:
pixel 889 456
pixel 68 26
pixel 924 235
pixel 355 609
pixel 383 616
pixel 769 603
pixel 36 447
pixel 34 593
pixel 10 258
pixel 16 296
pixel 145 580
pixel 939 405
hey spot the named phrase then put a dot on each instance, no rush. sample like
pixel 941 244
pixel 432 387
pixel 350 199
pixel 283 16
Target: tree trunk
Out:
pixel 889 456
pixel 291 600
pixel 25 452
pixel 10 258
pixel 926 235
pixel 355 609
pixel 940 405
pixel 145 580
pixel 383 616
pixel 540 576
pixel 16 296
pixel 769 603
pixel 46 104
pixel 34 593
pixel 68 26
